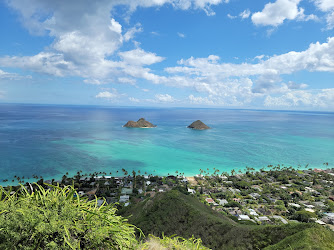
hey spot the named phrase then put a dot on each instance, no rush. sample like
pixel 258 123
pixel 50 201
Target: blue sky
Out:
pixel 276 54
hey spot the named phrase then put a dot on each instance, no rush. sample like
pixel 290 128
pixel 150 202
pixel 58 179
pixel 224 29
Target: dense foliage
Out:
pixel 58 219
pixel 175 213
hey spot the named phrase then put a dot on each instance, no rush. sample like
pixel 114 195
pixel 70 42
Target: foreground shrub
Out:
pixel 58 219
pixel 174 242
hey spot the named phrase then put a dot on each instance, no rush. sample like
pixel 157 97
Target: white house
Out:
pixel 124 198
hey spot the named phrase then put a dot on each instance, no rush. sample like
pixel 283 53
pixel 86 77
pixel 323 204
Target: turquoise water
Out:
pixel 53 140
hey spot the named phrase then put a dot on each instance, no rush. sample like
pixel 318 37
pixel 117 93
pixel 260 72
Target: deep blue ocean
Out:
pixel 50 140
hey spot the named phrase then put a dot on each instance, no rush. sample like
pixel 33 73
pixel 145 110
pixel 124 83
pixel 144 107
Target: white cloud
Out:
pixel 274 14
pixel 301 98
pixel 231 17
pixel 2 94
pixel 140 57
pixel 325 5
pixel 87 39
pixel 12 76
pixel 181 35
pixel 239 84
pixel 330 20
pixel 111 96
pixel 126 80
pixel 200 100
pixel 93 81
pixel 245 14
pixel 86 36
pixel 131 32
pixel 164 98
pixel 132 99
pixel 318 57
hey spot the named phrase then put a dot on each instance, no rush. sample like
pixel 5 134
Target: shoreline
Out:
pixel 189 178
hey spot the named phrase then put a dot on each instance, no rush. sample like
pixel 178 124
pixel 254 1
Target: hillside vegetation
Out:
pixel 176 213
pixel 56 218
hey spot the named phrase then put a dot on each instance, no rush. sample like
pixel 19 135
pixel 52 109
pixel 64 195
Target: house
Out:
pixel 320 222
pixel 81 193
pixel 192 191
pixel 257 187
pixel 234 211
pixel 126 191
pixel 209 200
pixel 254 195
pixel 83 179
pixel 243 217
pixel 294 205
pixel 263 218
pixel 253 212
pixel 124 198
pixel 234 190
pixel 319 204
pixel 328 218
pixel 222 202
pixel 103 177
pixel 284 221
pixel 184 180
pixel 128 185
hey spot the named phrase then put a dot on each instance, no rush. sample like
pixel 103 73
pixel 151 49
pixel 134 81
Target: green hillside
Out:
pixel 176 213
pixel 308 239
pixel 57 218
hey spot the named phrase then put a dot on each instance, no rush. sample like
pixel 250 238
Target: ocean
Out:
pixel 50 140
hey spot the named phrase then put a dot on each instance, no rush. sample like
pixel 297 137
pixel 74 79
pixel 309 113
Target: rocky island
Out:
pixel 141 123
pixel 199 125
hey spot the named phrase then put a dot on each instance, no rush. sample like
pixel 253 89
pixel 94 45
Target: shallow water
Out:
pixel 52 140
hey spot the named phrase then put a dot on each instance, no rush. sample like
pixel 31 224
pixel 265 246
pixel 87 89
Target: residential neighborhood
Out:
pixel 275 195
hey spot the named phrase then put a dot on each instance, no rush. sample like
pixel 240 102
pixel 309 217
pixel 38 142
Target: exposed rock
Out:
pixel 198 125
pixel 141 123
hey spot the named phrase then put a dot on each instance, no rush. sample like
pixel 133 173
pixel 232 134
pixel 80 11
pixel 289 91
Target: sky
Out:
pixel 261 54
